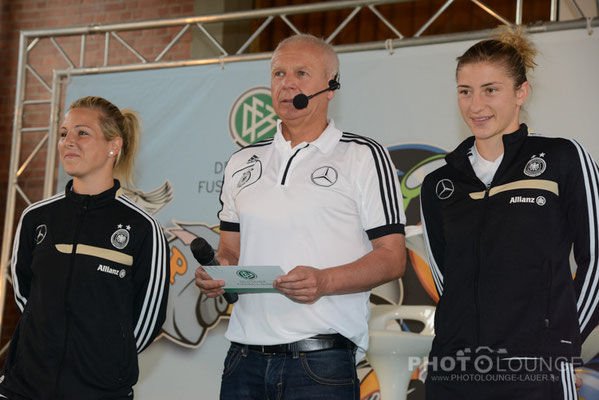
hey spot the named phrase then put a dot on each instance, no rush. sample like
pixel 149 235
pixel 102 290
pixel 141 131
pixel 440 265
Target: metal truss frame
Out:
pixel 29 39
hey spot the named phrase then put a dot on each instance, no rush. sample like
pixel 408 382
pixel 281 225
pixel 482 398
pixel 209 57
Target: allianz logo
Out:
pixel 539 200
pixel 105 268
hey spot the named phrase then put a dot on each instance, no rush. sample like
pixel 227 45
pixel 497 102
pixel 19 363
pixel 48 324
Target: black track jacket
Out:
pixel 90 276
pixel 500 255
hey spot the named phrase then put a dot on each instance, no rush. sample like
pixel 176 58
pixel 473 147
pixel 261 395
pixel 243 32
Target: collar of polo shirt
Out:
pixel 325 143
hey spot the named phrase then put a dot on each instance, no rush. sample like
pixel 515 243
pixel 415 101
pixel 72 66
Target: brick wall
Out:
pixel 17 15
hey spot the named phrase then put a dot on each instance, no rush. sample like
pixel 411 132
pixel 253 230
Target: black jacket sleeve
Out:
pixel 21 261
pixel 433 231
pixel 582 205
pixel 151 279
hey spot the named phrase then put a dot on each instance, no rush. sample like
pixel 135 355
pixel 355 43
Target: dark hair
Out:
pixel 116 123
pixel 508 48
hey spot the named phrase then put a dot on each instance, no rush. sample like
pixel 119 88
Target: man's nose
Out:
pixel 289 81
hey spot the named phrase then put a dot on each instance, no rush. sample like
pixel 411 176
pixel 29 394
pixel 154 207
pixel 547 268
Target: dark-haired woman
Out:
pixel 501 219
pixel 89 269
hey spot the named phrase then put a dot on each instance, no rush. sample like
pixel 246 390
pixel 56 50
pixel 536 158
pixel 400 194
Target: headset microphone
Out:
pixel 300 101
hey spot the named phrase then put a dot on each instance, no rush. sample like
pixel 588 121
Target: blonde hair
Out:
pixel 508 48
pixel 332 60
pixel 116 123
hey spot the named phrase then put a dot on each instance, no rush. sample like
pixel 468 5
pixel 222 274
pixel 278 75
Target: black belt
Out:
pixel 314 343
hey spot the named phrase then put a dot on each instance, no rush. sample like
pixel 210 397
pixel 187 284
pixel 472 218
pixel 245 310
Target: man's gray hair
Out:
pixel 332 60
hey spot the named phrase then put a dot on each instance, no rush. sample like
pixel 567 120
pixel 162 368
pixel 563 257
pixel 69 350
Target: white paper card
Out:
pixel 245 279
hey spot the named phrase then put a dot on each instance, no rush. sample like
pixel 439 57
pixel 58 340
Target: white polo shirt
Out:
pixel 317 204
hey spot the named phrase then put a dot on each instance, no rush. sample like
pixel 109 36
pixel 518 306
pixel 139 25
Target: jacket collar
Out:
pixel 512 142
pixel 91 201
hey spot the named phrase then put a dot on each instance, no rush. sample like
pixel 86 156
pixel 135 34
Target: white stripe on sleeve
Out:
pixel 146 322
pixel 436 272
pixel 589 296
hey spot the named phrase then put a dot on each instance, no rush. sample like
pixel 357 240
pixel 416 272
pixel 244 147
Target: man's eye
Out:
pixel 83 133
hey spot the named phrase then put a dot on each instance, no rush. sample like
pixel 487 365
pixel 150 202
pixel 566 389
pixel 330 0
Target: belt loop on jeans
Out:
pixel 294 351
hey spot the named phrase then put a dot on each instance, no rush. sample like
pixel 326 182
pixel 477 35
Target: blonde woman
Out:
pixel 89 268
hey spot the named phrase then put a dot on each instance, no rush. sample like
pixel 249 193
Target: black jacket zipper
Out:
pixel 84 208
pixel 478 266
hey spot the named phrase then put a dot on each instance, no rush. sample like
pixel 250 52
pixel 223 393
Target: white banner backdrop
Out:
pixel 404 99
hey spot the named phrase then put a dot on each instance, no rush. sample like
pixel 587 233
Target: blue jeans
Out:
pixel 325 375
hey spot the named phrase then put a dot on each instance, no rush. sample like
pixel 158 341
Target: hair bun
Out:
pixel 515 37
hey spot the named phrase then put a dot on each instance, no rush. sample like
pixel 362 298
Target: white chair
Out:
pixel 590 347
pixel 395 354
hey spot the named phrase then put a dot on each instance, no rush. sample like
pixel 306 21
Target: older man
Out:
pixel 325 206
